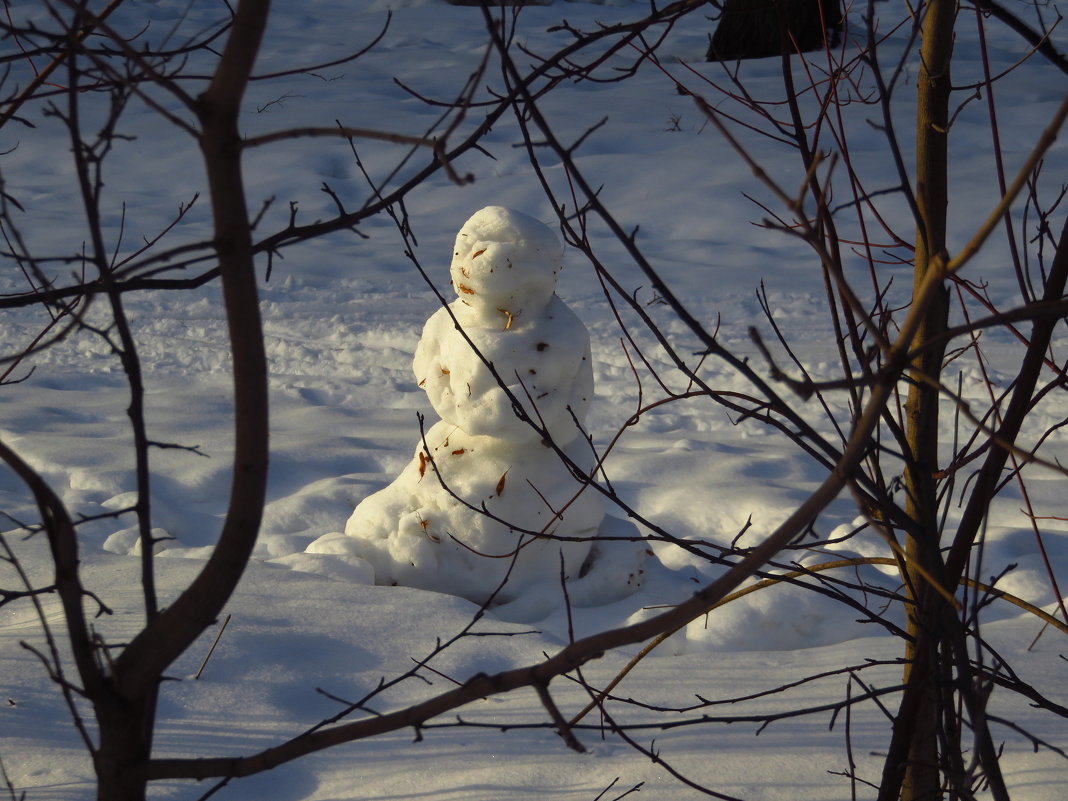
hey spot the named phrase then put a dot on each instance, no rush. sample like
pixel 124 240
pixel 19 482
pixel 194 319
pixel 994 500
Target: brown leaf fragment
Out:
pixel 422 464
pixel 500 484
pixel 444 370
pixel 477 253
pixel 465 289
pixel 424 524
pixel 508 317
pixel 459 452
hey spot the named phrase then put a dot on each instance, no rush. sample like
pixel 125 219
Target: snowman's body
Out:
pixel 543 359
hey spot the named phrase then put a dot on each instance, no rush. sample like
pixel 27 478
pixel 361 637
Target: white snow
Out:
pixel 343 317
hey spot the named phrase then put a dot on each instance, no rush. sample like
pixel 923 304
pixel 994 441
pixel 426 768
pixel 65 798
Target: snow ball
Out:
pixel 504 263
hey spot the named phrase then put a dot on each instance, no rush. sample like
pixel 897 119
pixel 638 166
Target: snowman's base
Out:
pixel 614 569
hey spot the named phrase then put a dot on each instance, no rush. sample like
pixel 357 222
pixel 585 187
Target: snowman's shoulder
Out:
pixel 561 320
pixel 440 321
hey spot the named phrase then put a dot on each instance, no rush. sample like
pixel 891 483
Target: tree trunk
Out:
pixel 126 728
pixel 126 708
pixel 921 777
pixel 760 28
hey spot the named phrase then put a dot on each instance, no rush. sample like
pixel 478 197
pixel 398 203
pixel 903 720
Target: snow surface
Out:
pixel 343 317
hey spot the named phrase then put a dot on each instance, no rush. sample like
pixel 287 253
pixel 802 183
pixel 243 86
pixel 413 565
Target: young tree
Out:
pixel 885 358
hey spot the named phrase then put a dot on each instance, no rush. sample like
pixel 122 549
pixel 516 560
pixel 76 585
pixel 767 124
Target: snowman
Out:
pixel 487 509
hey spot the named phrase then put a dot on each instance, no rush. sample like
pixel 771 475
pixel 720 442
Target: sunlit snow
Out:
pixel 329 609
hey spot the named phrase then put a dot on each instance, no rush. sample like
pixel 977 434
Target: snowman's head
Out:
pixel 505 262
